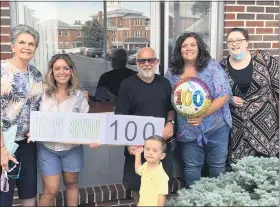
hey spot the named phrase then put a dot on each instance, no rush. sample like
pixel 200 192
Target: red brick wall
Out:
pixel 63 37
pixel 260 18
pixel 5 31
pixel 72 35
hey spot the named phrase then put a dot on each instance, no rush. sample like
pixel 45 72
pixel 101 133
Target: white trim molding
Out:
pixel 155 28
pixel 166 36
pixel 214 29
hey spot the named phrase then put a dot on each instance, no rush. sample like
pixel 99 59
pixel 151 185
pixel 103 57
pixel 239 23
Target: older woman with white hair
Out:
pixel 21 90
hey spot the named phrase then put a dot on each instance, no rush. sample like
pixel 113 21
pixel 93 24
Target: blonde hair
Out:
pixel 50 83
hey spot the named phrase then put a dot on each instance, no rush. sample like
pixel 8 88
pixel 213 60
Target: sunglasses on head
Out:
pixel 61 54
pixel 149 60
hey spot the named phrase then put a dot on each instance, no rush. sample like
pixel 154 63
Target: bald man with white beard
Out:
pixel 145 94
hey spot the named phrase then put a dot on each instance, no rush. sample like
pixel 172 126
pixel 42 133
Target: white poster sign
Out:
pixel 82 128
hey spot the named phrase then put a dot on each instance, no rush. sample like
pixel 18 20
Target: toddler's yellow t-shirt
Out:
pixel 153 184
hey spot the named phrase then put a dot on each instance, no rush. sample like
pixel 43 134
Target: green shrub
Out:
pixel 253 182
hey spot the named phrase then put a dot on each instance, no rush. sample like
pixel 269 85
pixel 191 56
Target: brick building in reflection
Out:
pixel 126 28
pixel 70 36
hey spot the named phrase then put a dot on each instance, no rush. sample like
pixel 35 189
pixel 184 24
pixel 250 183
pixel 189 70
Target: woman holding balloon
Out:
pixel 200 96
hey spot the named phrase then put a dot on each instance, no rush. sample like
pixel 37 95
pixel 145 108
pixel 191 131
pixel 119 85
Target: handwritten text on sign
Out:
pixel 86 128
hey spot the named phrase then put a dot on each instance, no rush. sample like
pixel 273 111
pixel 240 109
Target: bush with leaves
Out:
pixel 253 182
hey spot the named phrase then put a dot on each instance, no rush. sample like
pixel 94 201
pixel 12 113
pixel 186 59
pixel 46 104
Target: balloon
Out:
pixel 191 97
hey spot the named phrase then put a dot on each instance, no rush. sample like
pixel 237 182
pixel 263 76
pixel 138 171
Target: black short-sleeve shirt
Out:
pixel 112 79
pixel 139 98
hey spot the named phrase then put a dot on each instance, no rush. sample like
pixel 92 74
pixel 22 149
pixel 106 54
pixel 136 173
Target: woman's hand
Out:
pixel 85 94
pixel 237 101
pixel 94 145
pixel 5 158
pixel 196 121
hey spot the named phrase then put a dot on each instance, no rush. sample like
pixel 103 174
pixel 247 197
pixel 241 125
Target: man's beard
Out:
pixel 146 75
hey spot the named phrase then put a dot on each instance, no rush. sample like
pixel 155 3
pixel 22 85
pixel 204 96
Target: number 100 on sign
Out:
pixel 133 130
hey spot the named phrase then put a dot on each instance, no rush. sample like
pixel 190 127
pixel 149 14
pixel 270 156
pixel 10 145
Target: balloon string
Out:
pixel 197 133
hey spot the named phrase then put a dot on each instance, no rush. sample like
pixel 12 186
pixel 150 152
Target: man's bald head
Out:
pixel 146 52
pixel 146 63
pixel 119 58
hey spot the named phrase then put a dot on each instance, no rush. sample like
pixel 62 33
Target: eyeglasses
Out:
pixel 14 170
pixel 149 60
pixel 238 42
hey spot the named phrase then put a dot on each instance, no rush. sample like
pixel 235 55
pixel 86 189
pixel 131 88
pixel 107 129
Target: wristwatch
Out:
pixel 170 121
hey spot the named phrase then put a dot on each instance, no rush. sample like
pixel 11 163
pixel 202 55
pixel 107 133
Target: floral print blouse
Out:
pixel 213 75
pixel 20 94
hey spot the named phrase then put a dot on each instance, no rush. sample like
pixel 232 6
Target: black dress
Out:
pixel 255 129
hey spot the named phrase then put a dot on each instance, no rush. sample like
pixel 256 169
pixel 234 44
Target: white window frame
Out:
pixel 155 25
pixel 215 38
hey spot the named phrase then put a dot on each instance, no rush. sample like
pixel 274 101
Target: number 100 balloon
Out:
pixel 191 97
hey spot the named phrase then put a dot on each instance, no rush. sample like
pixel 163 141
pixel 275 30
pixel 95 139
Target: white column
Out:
pixel 155 27
pixel 220 30
pixel 166 36
pixel 213 33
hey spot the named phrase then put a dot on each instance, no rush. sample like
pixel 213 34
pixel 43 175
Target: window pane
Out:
pixel 78 30
pixel 193 16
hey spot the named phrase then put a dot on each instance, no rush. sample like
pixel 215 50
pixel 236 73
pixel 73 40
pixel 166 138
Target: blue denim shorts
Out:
pixel 52 162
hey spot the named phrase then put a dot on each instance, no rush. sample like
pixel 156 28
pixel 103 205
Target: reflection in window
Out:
pixel 78 30
pixel 189 17
pixel 67 45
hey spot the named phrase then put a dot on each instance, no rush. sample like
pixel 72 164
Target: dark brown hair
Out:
pixel 177 63
pixel 244 32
